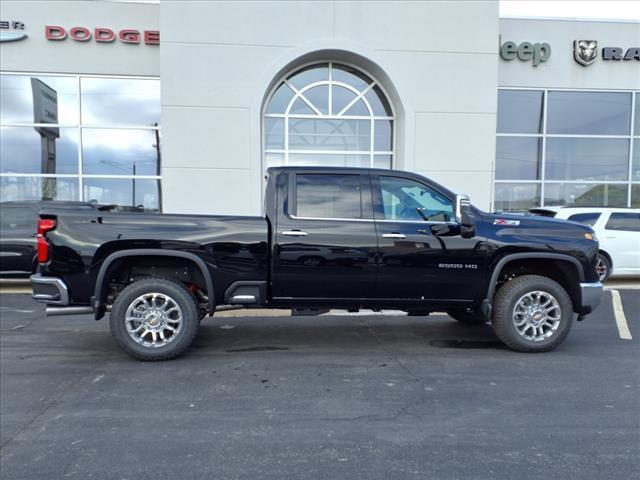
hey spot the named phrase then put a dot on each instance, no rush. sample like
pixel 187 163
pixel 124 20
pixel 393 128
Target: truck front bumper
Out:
pixel 591 294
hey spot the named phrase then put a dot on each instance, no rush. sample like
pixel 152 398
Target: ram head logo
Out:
pixel 585 51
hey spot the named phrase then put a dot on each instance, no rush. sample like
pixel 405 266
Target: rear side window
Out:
pixel 585 218
pixel 328 196
pixel 22 218
pixel 625 221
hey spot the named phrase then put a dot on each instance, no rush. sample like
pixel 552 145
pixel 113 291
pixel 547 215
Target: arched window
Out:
pixel 328 114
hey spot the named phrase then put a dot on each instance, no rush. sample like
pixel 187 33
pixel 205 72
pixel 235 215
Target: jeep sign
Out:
pixel 537 53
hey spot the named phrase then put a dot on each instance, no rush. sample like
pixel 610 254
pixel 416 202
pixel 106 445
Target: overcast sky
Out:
pixel 592 9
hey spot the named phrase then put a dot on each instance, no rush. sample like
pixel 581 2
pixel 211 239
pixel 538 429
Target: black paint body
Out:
pixel 340 263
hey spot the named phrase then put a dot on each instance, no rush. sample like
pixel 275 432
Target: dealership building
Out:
pixel 181 106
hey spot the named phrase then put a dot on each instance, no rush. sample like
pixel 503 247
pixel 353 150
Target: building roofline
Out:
pixel 571 19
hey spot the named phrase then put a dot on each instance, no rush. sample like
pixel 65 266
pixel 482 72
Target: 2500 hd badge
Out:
pixel 458 265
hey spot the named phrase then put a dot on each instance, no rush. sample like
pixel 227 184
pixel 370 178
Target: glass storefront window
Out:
pixel 127 191
pixel 518 158
pixel 589 113
pixel 516 196
pixel 586 194
pixel 587 159
pixel 60 132
pixel 56 99
pixel 578 146
pixel 25 150
pixel 14 188
pixel 120 152
pixel 520 111
pixel 108 101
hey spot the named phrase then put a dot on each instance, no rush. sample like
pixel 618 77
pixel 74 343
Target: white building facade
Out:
pixel 181 106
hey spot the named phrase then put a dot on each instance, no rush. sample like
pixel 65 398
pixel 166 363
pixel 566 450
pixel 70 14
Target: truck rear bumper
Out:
pixel 49 290
pixel 591 294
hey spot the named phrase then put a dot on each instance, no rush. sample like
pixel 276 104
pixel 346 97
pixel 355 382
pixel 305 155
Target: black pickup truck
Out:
pixel 331 238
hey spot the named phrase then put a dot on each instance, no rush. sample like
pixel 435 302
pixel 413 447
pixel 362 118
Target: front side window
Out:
pixel 624 221
pixel 328 196
pixel 328 114
pixel 585 218
pixel 408 200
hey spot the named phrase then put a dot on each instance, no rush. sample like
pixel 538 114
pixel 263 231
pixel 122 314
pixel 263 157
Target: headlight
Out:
pixel 590 236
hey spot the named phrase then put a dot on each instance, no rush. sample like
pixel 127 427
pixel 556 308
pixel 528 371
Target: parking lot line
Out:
pixel 621 320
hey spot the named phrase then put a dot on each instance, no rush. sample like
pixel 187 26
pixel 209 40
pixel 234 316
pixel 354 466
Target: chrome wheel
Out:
pixel 537 315
pixel 601 268
pixel 153 320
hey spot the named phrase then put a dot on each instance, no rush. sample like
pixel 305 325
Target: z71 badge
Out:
pixel 503 221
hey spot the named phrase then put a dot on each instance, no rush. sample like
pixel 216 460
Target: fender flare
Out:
pixel 488 300
pixel 98 300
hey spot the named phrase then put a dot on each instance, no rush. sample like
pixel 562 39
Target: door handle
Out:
pixel 295 233
pixel 394 235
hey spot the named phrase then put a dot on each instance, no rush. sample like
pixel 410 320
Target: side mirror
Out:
pixel 465 217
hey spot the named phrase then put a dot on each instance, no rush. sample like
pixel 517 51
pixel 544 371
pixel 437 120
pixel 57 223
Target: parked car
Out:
pixel 18 223
pixel 617 230
pixel 331 238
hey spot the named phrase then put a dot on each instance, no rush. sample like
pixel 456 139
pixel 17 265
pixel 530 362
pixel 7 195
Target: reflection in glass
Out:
pixel 319 98
pixel 330 160
pixel 516 196
pixel 321 134
pixel 120 151
pixel 111 101
pixel 24 150
pixel 589 113
pixel 274 133
pixel 38 188
pixel 520 111
pixel 383 135
pixel 587 159
pixel 350 76
pixel 635 164
pixel 280 99
pixel 308 75
pixel 585 194
pixel 635 196
pixel 518 158
pixel 18 92
pixel 328 196
pixel 127 192
pixel 382 161
pixel 636 125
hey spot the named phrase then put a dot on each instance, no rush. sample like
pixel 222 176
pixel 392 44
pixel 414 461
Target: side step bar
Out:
pixel 57 311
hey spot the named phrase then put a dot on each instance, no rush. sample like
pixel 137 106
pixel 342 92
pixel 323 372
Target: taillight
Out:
pixel 44 225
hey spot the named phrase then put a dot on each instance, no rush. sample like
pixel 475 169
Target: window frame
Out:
pixel 360 95
pixel 79 176
pixel 542 182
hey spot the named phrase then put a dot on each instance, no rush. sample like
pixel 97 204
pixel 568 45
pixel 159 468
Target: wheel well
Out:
pixel 563 272
pixel 606 254
pixel 123 271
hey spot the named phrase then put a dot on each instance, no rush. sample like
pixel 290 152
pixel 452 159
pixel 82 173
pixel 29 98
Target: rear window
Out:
pixel 625 221
pixel 328 196
pixel 585 218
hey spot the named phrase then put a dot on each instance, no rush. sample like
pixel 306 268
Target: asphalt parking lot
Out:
pixel 330 397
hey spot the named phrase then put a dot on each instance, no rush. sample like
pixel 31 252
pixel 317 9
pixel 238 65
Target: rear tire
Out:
pixel 532 314
pixel 467 318
pixel 155 319
pixel 603 267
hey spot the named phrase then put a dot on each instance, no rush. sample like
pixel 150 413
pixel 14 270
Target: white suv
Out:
pixel 618 231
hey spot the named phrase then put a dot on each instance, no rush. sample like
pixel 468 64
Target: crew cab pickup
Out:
pixel 331 238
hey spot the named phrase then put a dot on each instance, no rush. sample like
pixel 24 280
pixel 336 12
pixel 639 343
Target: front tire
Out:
pixel 155 319
pixel 603 267
pixel 532 314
